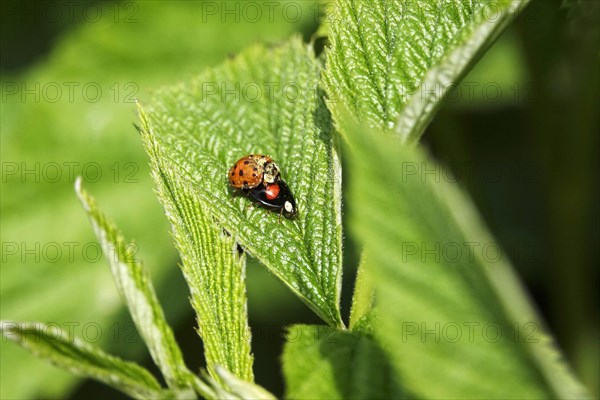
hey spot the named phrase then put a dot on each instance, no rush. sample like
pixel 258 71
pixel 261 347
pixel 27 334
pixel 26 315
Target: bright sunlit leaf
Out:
pixel 265 101
pixel 80 358
pixel 391 62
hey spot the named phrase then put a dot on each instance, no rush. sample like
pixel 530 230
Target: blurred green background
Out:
pixel 520 132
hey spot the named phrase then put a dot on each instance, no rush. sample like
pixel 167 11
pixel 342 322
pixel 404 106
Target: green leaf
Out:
pixel 363 297
pixel 78 357
pixel 135 287
pixel 321 362
pixel 212 265
pixel 453 316
pixel 235 387
pixel 391 62
pixel 265 101
pixel 124 50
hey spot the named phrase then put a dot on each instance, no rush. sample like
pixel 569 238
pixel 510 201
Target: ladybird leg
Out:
pixel 279 218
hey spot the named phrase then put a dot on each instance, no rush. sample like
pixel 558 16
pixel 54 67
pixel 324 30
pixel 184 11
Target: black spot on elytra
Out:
pixel 253 174
pixel 245 183
pixel 246 162
pixel 241 173
pixel 255 169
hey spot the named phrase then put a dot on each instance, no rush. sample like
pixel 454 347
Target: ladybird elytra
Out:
pixel 283 202
pixel 259 177
pixel 248 171
pixel 272 191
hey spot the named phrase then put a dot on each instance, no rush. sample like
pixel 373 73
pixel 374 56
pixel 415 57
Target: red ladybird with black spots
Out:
pixel 250 171
pixel 259 178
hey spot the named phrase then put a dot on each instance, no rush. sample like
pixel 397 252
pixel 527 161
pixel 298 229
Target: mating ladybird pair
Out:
pixel 258 176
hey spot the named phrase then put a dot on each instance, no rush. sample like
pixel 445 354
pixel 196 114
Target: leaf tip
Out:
pixel 78 180
pixel 82 194
pixel 144 128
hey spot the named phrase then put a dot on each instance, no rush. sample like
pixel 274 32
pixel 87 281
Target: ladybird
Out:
pixel 275 196
pixel 250 171
pixel 271 174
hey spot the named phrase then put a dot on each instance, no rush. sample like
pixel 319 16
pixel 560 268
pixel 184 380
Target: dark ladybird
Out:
pixel 275 196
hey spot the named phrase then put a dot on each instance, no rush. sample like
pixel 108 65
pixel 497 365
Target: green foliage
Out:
pixel 325 363
pixel 237 388
pixel 54 345
pixel 93 136
pixel 422 314
pixel 364 294
pixel 212 267
pixel 451 310
pixel 194 134
pixel 390 63
pixel 136 289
